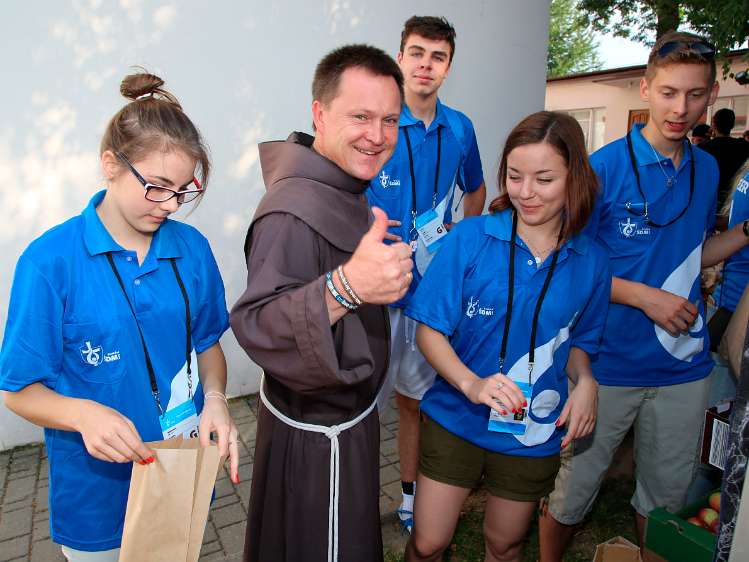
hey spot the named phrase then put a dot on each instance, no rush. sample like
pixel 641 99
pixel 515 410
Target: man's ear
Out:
pixel 713 93
pixel 110 165
pixel 318 115
pixel 399 57
pixel 644 89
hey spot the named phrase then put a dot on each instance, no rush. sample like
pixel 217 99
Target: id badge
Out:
pixel 180 420
pixel 509 422
pixel 431 230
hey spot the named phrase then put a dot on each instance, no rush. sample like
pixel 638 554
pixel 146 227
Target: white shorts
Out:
pixel 408 372
pixel 74 555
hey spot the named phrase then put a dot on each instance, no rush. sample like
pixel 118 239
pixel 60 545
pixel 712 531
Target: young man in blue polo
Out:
pixel 655 216
pixel 436 152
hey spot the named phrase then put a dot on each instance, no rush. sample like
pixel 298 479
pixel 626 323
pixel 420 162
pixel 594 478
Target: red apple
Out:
pixel 709 517
pixel 695 521
pixel 714 501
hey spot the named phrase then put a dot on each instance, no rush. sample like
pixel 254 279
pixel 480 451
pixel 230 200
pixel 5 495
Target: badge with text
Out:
pixel 431 230
pixel 510 422
pixel 180 420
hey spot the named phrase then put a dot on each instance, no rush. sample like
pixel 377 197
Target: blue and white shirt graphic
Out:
pixel 460 165
pixel 464 296
pixel 635 351
pixel 736 268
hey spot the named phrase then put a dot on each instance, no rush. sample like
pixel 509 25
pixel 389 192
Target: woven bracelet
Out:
pixel 336 295
pixel 347 286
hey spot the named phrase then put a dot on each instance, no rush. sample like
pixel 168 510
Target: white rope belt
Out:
pixel 331 433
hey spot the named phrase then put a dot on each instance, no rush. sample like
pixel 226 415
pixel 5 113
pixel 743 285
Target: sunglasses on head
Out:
pixel 702 48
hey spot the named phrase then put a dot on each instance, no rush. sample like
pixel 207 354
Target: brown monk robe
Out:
pixel 310 221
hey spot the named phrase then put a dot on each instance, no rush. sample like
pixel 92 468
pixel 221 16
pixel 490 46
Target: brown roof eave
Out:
pixel 614 71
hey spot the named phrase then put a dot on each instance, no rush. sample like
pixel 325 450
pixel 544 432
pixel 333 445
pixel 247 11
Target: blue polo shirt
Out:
pixel 70 328
pixel 736 268
pixel 635 351
pixel 459 164
pixel 464 296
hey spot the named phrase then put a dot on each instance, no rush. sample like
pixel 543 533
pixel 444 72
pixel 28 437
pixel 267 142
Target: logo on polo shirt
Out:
pixel 94 355
pixel 742 186
pixel 386 182
pixel 473 308
pixel 630 228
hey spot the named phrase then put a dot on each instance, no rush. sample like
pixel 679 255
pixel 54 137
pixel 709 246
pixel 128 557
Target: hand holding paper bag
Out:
pixel 168 503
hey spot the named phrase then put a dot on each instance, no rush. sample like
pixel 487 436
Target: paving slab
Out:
pixel 24 486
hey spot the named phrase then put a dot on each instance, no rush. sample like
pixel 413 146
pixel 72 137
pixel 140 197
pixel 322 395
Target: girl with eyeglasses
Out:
pixel 115 315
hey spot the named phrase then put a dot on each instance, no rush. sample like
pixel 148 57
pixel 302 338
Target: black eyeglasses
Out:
pixel 703 48
pixel 159 193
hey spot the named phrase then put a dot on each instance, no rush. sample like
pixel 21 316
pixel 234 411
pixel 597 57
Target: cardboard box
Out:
pixel 715 435
pixel 617 549
pixel 669 538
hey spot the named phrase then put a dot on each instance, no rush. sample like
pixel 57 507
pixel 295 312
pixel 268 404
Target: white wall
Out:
pixel 242 70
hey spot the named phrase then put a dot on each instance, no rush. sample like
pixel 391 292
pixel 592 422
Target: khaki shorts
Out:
pixel 408 372
pixel 668 426
pixel 449 459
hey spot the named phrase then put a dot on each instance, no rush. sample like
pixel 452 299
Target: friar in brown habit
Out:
pixel 320 332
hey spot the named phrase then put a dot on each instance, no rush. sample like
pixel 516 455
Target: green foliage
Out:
pixel 724 22
pixel 572 46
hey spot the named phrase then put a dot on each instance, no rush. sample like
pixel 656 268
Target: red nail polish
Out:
pixel 503 412
pixel 141 462
pixel 525 403
pixel 149 460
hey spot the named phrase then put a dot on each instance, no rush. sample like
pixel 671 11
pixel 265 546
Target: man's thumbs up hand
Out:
pixel 379 273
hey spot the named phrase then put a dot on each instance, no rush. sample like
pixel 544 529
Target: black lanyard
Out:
pixel 510 292
pixel 645 214
pixel 413 177
pixel 188 323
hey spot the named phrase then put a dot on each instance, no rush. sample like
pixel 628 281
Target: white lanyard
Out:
pixel 331 432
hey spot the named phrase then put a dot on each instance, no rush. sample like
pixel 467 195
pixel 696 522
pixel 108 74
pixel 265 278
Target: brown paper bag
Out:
pixel 731 346
pixel 168 503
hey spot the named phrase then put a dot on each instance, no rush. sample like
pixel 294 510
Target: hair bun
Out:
pixel 135 86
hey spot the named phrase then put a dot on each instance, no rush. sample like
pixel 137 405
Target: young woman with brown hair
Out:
pixel 512 306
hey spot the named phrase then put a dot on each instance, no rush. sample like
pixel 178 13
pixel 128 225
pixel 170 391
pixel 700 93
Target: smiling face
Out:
pixel 425 64
pixel 536 183
pixel 126 194
pixel 358 129
pixel 677 95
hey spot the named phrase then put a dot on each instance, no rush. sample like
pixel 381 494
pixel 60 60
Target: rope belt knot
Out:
pixel 331 432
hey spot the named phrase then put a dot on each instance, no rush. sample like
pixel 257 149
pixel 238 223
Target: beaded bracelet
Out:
pixel 347 286
pixel 336 295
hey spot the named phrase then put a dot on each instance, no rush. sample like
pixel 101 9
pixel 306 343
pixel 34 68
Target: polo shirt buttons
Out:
pixel 137 281
pixel 530 262
pixel 129 258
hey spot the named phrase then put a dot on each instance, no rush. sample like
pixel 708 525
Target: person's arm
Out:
pixel 579 412
pixel 285 321
pixel 473 201
pixel 107 434
pixel 495 391
pixel 215 416
pixel 721 246
pixel 671 312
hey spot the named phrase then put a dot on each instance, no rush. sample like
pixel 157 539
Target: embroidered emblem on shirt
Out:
pixel 472 307
pixel 94 355
pixel 386 182
pixel 629 228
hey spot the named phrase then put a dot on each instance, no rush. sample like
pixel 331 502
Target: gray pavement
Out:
pixel 24 512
